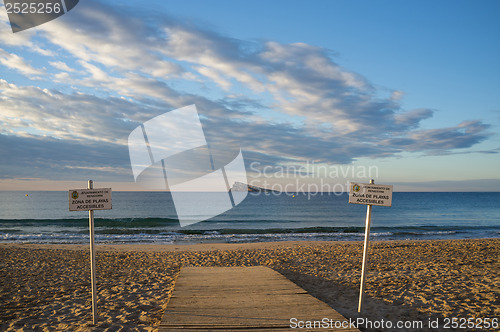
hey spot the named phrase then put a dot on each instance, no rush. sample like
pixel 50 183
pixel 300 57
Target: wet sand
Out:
pixel 47 287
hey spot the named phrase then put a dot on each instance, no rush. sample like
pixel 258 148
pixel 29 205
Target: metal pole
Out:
pixel 365 253
pixel 92 261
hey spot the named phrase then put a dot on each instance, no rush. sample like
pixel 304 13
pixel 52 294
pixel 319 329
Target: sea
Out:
pixel 150 218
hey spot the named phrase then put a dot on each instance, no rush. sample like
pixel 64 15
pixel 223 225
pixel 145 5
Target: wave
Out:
pixel 167 223
pixel 166 230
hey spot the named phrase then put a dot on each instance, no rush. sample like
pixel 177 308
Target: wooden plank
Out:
pixel 240 298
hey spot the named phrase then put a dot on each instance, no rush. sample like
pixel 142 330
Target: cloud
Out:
pixel 73 116
pixel 61 66
pixel 411 119
pixel 116 41
pixel 464 135
pixel 282 103
pixel 23 40
pixel 13 61
pixel 49 158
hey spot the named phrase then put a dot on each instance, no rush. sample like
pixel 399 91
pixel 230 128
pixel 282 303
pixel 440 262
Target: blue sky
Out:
pixel 409 88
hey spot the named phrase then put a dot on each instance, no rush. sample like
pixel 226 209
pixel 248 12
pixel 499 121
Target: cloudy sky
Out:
pixel 409 88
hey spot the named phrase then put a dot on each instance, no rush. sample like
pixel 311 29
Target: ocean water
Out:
pixel 149 217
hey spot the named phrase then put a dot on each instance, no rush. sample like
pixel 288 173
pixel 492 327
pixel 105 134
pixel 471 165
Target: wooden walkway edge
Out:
pixel 242 299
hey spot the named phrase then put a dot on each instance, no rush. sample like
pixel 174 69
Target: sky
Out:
pixel 315 93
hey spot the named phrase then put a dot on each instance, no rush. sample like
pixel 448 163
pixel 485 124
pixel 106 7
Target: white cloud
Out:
pixel 22 40
pixel 17 63
pixel 61 66
pixel 331 114
pixel 96 73
pixel 215 76
pixel 107 39
pixel 62 116
pixel 397 95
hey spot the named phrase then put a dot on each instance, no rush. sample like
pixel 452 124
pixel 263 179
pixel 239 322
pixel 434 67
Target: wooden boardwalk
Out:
pixel 241 299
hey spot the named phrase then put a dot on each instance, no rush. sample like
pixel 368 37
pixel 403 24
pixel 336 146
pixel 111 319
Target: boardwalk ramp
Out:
pixel 244 299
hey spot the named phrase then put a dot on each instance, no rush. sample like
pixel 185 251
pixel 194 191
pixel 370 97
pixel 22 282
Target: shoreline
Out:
pixel 48 285
pixel 210 246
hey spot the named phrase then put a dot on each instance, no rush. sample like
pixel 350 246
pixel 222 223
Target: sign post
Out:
pixel 92 260
pixel 368 194
pixel 91 199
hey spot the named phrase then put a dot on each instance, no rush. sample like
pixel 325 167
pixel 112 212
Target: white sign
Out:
pixel 370 194
pixel 90 199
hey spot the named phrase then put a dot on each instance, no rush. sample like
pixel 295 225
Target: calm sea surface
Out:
pixel 149 217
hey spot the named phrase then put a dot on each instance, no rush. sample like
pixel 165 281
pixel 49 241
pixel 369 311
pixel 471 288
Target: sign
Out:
pixel 90 199
pixel 370 194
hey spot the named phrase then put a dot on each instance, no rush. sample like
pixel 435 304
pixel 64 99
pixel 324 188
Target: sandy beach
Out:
pixel 47 287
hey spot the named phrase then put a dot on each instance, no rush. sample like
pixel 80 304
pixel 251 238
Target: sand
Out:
pixel 47 287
